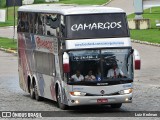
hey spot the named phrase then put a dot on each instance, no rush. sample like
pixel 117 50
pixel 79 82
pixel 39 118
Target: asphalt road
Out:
pixel 8 32
pixel 126 5
pixel 146 88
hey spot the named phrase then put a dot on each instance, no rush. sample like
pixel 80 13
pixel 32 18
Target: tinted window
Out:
pixel 31 20
pixel 23 24
pixel 103 64
pixel 51 24
pixel 97 26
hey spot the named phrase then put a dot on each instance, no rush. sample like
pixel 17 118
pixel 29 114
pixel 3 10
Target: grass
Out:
pixel 7 43
pixel 39 1
pixel 151 35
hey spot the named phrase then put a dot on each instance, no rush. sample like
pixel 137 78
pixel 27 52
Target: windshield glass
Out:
pixel 96 26
pixel 100 65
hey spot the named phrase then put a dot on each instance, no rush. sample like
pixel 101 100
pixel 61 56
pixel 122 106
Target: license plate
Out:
pixel 102 100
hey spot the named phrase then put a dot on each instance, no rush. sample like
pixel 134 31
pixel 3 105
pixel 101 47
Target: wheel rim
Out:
pixel 60 105
pixel 59 98
pixel 36 92
pixel 32 92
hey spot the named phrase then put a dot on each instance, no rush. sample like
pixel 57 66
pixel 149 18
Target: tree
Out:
pixel 2 3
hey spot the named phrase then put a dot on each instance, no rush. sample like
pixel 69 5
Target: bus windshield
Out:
pixel 106 65
pixel 108 25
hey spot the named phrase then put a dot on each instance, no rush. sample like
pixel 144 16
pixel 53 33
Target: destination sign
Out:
pixel 97 25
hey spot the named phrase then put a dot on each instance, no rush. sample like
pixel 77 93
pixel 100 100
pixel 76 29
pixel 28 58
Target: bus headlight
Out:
pixel 126 91
pixel 78 93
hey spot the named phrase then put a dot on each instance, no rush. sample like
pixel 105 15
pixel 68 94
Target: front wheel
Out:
pixel 60 105
pixel 116 105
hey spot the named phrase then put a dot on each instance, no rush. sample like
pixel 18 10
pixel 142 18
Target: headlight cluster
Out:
pixel 78 93
pixel 126 91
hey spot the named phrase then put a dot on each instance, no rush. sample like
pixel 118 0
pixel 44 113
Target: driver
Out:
pixel 115 72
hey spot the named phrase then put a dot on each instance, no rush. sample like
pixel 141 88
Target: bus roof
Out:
pixel 69 9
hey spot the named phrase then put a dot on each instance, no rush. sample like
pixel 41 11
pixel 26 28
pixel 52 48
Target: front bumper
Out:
pixel 92 100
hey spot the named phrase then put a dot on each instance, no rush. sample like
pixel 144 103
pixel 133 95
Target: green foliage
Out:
pixel 2 3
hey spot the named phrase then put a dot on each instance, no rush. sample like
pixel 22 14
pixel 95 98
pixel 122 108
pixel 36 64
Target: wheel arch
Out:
pixel 57 86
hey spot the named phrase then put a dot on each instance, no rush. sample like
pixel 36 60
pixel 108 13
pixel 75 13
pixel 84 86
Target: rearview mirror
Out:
pixel 66 66
pixel 137 60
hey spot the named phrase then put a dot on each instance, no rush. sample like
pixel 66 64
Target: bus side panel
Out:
pixel 23 63
pixel 26 45
pixel 46 86
pixel 46 65
pixel 38 61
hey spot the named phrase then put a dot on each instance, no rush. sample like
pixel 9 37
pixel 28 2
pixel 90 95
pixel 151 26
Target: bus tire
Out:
pixel 60 105
pixel 32 92
pixel 37 97
pixel 116 105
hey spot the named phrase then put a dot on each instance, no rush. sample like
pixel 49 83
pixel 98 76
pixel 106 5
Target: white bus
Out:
pixel 56 43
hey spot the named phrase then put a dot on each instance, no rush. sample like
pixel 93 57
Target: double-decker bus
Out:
pixel 61 46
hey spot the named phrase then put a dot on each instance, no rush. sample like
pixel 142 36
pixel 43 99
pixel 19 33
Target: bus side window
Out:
pixel 23 25
pixel 38 24
pixel 51 24
pixel 31 17
pixel 19 22
pixel 26 23
pixel 35 23
pixel 62 27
